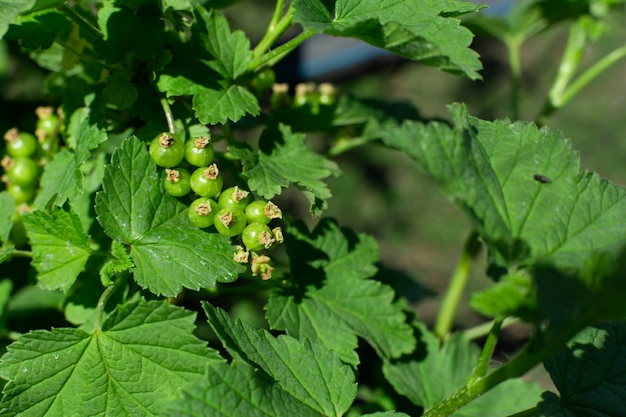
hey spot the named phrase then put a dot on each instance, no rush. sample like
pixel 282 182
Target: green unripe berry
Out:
pixel 234 197
pixel 229 221
pixel 207 181
pixel 167 150
pixel 257 236
pixel 199 152
pixel 202 212
pixel 20 143
pixel 176 182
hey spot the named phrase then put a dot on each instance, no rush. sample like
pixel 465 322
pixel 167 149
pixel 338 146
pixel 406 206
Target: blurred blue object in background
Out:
pixel 324 57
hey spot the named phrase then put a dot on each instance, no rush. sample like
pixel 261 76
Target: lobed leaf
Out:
pixel 452 364
pixel 288 161
pixel 60 247
pixel 61 181
pixel 231 50
pixel 218 106
pixel 134 365
pixel 425 31
pixel 521 187
pixel 7 206
pixel 313 376
pixel 333 300
pixel 168 252
pixel 590 374
pixel 10 10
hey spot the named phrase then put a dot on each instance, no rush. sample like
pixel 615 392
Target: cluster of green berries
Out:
pixel 231 212
pixel 25 155
pixel 306 94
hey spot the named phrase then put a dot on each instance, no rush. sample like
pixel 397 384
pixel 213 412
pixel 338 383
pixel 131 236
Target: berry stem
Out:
pixel 168 115
pixel 456 287
pixel 276 28
pixel 87 29
pixel 275 55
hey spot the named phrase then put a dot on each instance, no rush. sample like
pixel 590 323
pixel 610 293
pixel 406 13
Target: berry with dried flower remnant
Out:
pixel 234 197
pixel 262 211
pixel 199 152
pixel 230 221
pixel 242 255
pixel 20 143
pixel 261 265
pixel 167 150
pixel 257 236
pixel 176 182
pixel 207 181
pixel 202 212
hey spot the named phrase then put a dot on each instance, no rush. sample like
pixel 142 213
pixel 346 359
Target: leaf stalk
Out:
pixel 457 286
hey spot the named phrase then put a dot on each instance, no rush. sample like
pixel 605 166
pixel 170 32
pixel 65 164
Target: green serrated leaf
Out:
pixel 49 370
pixel 291 161
pixel 61 181
pixel 39 30
pixel 333 300
pixel 425 31
pixel 83 135
pixel 219 106
pixel 231 50
pixel 597 353
pixel 521 187
pixel 512 293
pixel 7 206
pixel 10 10
pixel 168 252
pixel 60 247
pixel 238 390
pixel 314 376
pixel 453 363
pixel 5 252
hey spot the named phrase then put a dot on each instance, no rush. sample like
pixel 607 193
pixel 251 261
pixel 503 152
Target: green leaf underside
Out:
pixel 520 185
pixel 334 301
pixel 7 205
pixel 290 162
pixel 452 364
pixel 314 377
pixel 424 31
pixel 598 354
pixel 168 252
pixel 125 369
pixel 9 10
pixel 61 180
pixel 60 247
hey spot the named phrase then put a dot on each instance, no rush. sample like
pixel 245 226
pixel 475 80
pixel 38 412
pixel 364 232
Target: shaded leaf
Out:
pixel 332 299
pixel 314 376
pixel 60 247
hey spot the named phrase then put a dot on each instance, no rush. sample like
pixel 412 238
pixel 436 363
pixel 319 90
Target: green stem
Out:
pixel 168 115
pixel 22 253
pixel 569 63
pixel 483 329
pixel 275 29
pixel 527 359
pixel 515 64
pixel 456 287
pixel 346 144
pixel 277 54
pixel 106 294
pixel 591 73
pixel 86 58
pixel 490 346
pixel 89 32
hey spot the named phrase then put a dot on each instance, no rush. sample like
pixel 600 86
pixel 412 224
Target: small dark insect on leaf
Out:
pixel 541 179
